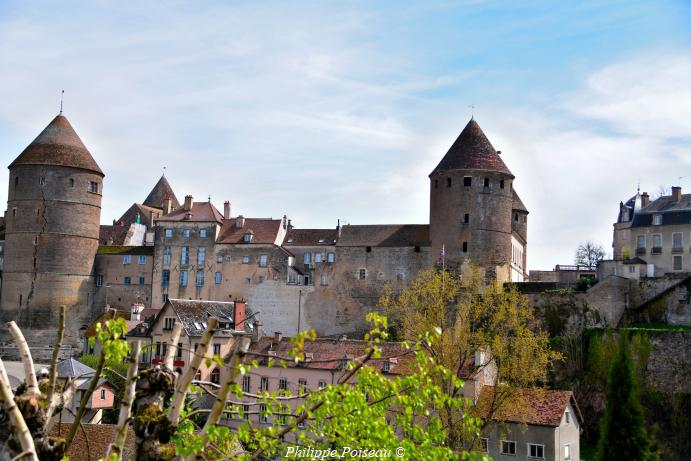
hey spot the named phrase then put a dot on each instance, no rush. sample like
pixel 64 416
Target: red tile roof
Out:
pixel 58 144
pixel 472 151
pixel 200 212
pixel 144 212
pixel 539 407
pixel 264 230
pixel 112 235
pixel 329 354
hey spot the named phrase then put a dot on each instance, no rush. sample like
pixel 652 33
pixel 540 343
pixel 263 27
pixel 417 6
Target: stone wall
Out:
pixel 669 364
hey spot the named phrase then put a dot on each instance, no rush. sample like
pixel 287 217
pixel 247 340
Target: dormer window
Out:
pixel 247 238
pixel 657 220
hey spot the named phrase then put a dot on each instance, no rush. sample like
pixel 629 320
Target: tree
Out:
pixel 476 317
pixel 623 433
pixel 364 410
pixel 589 254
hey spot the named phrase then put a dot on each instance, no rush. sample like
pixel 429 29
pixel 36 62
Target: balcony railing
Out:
pixel 656 251
pixel 677 249
pixel 640 251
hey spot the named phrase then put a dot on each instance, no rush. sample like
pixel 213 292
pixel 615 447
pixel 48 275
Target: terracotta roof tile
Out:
pixel 472 151
pixel 319 353
pixel 264 230
pixel 112 235
pixel 58 144
pixel 385 235
pixel 539 407
pixel 144 212
pixel 310 237
pixel 194 314
pixel 200 212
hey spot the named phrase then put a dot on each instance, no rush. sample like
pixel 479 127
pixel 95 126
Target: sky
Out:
pixel 340 110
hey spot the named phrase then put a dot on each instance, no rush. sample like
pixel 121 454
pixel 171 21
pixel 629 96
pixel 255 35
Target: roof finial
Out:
pixel 62 94
pixel 209 198
pixel 638 187
pixel 472 111
pixel 164 171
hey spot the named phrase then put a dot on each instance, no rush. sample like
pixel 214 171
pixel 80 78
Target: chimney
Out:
pixel 240 221
pixel 258 332
pixel 285 221
pixel 645 199
pixel 188 203
pixel 167 206
pixel 240 314
pixel 290 224
pixel 136 310
pixel 278 336
pixel 226 210
pixel 676 193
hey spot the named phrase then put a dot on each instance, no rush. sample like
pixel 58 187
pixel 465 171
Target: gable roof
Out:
pixel 200 212
pixel 264 230
pixel 71 368
pixel 472 151
pixel 310 237
pixel 385 235
pixel 539 407
pixel 144 212
pixel 59 145
pixel 158 195
pixel 329 354
pixel 194 314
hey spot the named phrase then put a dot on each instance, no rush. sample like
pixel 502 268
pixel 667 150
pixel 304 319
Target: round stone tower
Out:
pixel 471 201
pixel 52 225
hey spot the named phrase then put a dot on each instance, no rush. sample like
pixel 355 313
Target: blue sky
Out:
pixel 339 110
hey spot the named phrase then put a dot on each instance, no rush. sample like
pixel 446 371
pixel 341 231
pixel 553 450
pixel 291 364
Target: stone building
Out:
pixel 656 233
pixel 161 249
pixel 475 213
pixel 51 236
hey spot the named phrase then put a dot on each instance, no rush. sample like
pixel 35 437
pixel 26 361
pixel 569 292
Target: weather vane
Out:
pixel 62 95
pixel 472 111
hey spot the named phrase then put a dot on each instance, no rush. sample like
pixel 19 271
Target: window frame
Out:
pixel 484 444
pixel 126 260
pixel 168 232
pixel 218 278
pixel 185 256
pixel 263 261
pixel 330 257
pixel 141 260
pixel 127 280
pixel 509 443
pixel 202 233
pixel 536 446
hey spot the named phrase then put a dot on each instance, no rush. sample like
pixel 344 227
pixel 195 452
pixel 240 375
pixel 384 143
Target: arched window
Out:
pixel 216 376
pixel 71 182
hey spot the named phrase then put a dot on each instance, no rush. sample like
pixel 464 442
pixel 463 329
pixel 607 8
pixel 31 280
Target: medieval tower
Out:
pixel 52 227
pixel 473 207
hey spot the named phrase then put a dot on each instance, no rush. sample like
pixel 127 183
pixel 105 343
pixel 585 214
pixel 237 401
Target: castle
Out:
pixel 56 251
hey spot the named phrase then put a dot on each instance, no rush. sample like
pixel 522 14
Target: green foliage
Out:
pixel 371 411
pixel 472 316
pixel 623 433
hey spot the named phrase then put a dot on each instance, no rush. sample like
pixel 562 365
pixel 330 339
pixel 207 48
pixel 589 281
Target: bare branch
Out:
pixel 89 391
pixel 22 433
pixel 126 406
pixel 183 382
pixel 29 371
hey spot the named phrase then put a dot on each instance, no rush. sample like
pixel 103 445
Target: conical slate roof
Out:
pixel 159 194
pixel 517 203
pixel 472 151
pixel 58 144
